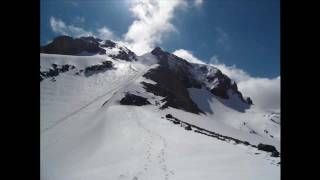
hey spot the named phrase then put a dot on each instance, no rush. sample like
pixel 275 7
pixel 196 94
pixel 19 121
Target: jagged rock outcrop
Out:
pixel 67 45
pixel 171 84
pixel 125 54
pixel 98 68
pixel 175 75
pixel 72 46
pixel 108 44
pixel 218 83
pixel 55 71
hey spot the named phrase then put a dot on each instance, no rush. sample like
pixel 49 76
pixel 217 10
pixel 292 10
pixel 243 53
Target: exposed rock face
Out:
pixel 249 101
pixel 131 99
pixel 91 39
pixel 69 46
pixel 98 68
pixel 196 75
pixel 168 86
pixel 108 44
pixel 218 83
pixel 172 83
pixel 175 75
pixel 55 71
pixel 125 54
pixel 223 84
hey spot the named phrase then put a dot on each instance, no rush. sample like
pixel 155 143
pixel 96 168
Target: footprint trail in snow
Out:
pixel 154 162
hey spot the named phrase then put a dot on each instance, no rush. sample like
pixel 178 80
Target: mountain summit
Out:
pixel 67 45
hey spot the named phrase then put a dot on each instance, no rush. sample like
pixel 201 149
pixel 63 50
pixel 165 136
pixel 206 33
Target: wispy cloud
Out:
pixel 152 23
pixel 223 38
pixel 60 27
pixel 73 3
pixel 265 92
pixel 79 19
pixel 187 55
pixel 233 71
pixel 105 33
pixel 198 3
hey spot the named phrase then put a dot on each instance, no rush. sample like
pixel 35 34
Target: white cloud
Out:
pixel 152 23
pixel 233 72
pixel 187 55
pixel 105 33
pixel 265 92
pixel 198 3
pixel 60 27
pixel 78 32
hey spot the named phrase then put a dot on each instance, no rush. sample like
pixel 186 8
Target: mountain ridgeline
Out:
pixel 67 45
pixel 173 76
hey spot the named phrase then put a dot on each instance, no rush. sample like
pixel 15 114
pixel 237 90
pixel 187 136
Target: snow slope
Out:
pixel 71 93
pixel 252 119
pixel 87 134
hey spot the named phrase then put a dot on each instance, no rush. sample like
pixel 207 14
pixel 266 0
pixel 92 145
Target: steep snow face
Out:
pixel 86 133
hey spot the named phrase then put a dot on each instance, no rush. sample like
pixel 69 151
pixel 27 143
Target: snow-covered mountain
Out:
pixel 107 113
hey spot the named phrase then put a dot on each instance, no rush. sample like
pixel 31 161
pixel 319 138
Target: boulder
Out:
pixel 169 116
pixel 269 148
pixel 266 147
pixel 188 128
pixel 94 69
pixel 131 99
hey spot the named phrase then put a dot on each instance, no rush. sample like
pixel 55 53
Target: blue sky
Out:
pixel 244 33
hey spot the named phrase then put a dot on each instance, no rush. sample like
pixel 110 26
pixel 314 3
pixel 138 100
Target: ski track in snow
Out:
pixel 112 91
